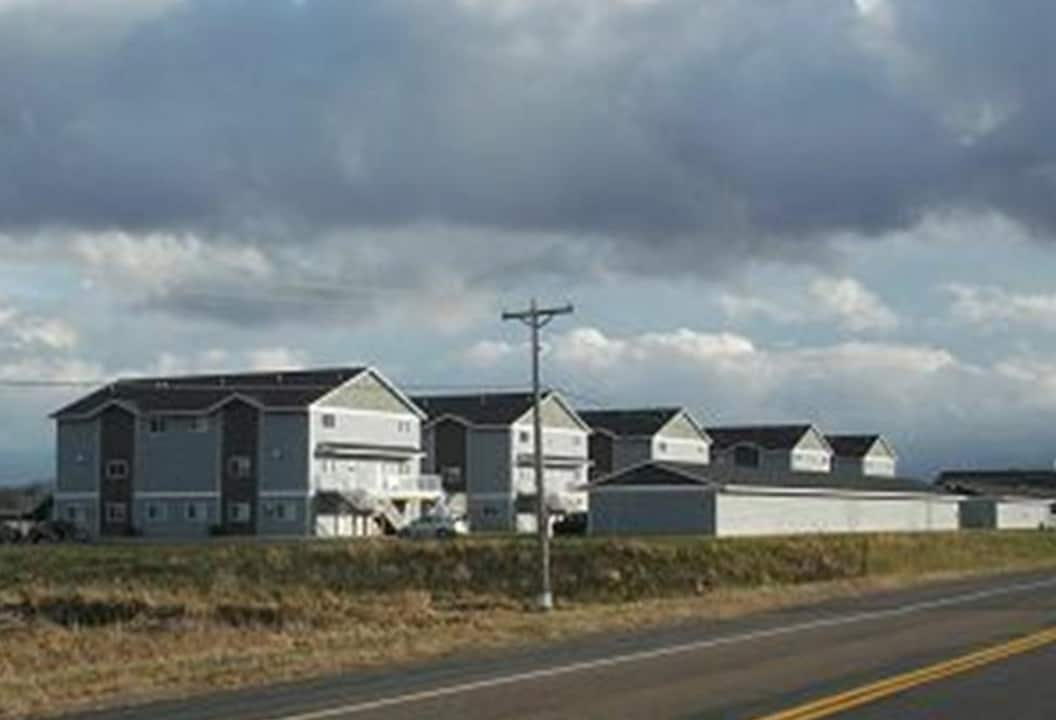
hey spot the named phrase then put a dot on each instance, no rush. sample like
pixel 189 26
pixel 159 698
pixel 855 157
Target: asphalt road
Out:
pixel 751 668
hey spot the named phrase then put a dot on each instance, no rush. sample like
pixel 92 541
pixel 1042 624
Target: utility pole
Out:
pixel 536 318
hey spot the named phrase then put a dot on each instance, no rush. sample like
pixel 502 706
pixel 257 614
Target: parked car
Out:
pixel 57 531
pixel 9 535
pixel 571 524
pixel 436 527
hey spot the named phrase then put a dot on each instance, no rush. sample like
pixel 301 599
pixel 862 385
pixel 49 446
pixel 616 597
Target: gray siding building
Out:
pixel 300 453
pixel 483 446
pixel 758 452
pixel 863 456
pixel 622 438
pixel 676 499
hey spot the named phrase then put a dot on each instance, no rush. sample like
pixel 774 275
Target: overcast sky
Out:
pixel 839 211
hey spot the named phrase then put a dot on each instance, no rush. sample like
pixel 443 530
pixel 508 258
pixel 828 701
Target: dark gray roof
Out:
pixel 192 393
pixel 479 409
pixel 1025 483
pixel 668 473
pixel 770 437
pixel 852 446
pixel 644 422
pixel 660 474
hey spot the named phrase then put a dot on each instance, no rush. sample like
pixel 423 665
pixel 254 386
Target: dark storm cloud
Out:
pixel 698 126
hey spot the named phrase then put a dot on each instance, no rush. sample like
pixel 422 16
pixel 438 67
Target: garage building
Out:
pixel 659 498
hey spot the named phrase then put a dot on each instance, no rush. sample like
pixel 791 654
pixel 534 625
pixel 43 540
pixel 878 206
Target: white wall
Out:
pixel 740 514
pixel 879 466
pixel 681 450
pixel 1023 514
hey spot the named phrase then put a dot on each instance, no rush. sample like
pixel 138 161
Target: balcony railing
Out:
pixel 395 485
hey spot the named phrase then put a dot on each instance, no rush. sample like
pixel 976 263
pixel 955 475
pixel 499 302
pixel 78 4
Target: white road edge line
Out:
pixel 665 652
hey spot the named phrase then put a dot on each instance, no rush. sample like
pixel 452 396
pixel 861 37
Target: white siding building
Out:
pixel 622 438
pixel 483 445
pixel 763 451
pixel 863 456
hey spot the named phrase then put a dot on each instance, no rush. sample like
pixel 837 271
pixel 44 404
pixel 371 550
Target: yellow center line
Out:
pixel 826 707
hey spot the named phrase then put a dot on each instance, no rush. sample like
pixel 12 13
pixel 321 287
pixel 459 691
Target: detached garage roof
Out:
pixel 658 474
pixel 1024 483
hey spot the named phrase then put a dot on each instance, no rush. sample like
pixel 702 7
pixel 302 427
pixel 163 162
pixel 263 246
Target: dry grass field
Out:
pixel 84 625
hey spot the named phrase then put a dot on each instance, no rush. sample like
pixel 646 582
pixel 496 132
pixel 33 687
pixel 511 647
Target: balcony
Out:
pixel 396 485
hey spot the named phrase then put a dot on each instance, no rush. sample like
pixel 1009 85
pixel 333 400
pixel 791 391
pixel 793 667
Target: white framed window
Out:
pixel 329 420
pixel 196 512
pixel 239 466
pixel 526 437
pixel 198 425
pixel 157 425
pixel 116 469
pixel 156 512
pixel 405 468
pixel 116 512
pixel 239 512
pixel 577 440
pixel 663 446
pixel 403 426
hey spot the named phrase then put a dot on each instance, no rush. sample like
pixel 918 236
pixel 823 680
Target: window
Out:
pixel 116 469
pixel 196 512
pixel 577 441
pixel 405 468
pixel 329 421
pixel 81 458
pixel 75 514
pixel 156 512
pixel 239 512
pixel 156 425
pixel 284 511
pixel 746 456
pixel 526 437
pixel 404 426
pixel 116 512
pixel 663 446
pixel 199 425
pixel 239 466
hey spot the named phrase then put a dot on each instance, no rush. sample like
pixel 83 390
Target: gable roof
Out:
pixel 662 474
pixel 478 409
pixel 495 409
pixel 852 446
pixel 1024 483
pixel 199 393
pixel 768 437
pixel 634 422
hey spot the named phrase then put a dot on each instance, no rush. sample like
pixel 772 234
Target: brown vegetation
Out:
pixel 88 624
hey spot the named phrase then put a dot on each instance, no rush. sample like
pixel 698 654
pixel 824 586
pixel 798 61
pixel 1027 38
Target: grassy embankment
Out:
pixel 86 624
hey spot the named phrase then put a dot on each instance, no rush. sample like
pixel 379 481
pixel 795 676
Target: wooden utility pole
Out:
pixel 536 318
